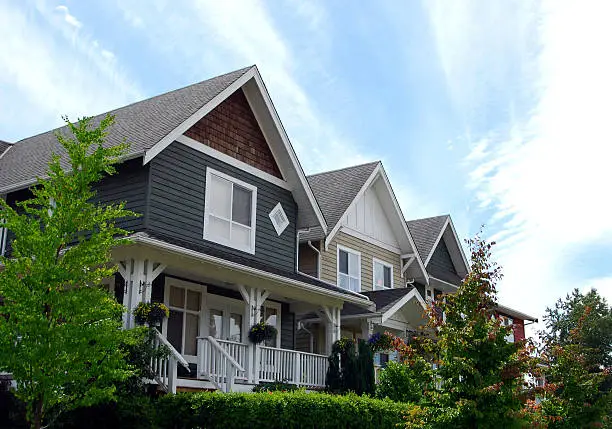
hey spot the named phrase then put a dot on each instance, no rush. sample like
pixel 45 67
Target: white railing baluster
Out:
pixel 165 369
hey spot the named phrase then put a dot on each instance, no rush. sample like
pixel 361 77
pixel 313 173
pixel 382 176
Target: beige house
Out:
pixel 368 250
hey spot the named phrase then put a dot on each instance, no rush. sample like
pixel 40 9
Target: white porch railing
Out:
pixel 217 364
pixel 239 352
pixel 165 369
pixel 305 369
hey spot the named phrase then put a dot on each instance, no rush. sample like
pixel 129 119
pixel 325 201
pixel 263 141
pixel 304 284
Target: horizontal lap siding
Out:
pixel 178 181
pixel 368 252
pixel 129 185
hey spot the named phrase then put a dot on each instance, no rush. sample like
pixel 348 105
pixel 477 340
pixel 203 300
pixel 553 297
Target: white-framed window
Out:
pixel 382 275
pixel 271 315
pixel 279 219
pixel 349 269
pixel 229 211
pixel 508 321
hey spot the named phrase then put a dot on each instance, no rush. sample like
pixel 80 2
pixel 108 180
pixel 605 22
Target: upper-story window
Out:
pixel 349 269
pixel 383 275
pixel 229 211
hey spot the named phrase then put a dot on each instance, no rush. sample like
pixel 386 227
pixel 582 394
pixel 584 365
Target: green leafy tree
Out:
pixel 60 334
pixel 576 358
pixel 480 375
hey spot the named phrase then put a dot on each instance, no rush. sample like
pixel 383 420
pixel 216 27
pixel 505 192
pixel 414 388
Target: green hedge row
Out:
pixel 276 410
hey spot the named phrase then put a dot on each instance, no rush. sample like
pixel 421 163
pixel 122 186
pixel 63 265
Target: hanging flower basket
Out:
pixel 260 332
pixel 152 313
pixel 380 342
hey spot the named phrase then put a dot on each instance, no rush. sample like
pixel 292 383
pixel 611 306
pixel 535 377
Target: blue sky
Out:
pixel 494 111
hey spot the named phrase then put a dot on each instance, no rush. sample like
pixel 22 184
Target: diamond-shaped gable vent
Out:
pixel 279 219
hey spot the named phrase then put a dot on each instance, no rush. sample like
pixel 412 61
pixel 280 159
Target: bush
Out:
pixel 349 371
pixel 401 382
pixel 275 386
pixel 276 410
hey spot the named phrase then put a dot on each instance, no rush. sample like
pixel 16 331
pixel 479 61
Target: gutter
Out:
pixel 318 252
pixel 352 297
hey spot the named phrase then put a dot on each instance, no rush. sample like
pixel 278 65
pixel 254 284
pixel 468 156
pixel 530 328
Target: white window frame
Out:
pixel 348 250
pixel 279 227
pixel 384 264
pixel 234 181
pixel 171 281
pixel 277 306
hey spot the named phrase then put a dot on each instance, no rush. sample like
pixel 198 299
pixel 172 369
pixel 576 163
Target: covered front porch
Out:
pixel 213 303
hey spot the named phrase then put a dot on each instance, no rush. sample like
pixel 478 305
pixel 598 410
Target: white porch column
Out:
pixel 253 300
pixel 367 328
pixel 331 315
pixel 138 275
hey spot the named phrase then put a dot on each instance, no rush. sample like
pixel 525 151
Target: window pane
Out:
pixel 241 235
pixel 387 271
pixel 218 229
pixel 343 262
pixel 354 285
pixel 353 265
pixel 193 300
pixel 236 327
pixel 177 297
pixel 192 324
pixel 344 281
pixel 216 324
pixel 378 275
pixel 175 329
pixel 220 196
pixel 241 209
pixel 271 317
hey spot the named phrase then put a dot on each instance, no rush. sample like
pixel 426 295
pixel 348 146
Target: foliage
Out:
pixel 381 342
pixel 61 332
pixel 152 313
pixel 277 410
pixel 480 376
pixel 407 380
pixel 275 386
pixel 595 329
pixel 261 331
pixel 577 392
pixel 350 370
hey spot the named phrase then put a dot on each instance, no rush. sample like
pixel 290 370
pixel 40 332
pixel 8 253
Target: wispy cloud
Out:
pixel 52 66
pixel 243 33
pixel 541 77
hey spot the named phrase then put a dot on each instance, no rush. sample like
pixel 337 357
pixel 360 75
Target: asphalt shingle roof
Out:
pixel 142 124
pixel 334 191
pixel 425 232
pixel 385 299
pixel 4 146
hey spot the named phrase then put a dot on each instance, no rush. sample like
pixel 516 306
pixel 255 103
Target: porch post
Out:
pixel 367 326
pixel 138 275
pixel 332 326
pixel 253 300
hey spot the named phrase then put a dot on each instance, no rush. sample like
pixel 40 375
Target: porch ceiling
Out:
pixel 218 271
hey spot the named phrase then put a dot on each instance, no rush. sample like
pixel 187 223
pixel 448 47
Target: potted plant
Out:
pixel 152 313
pixel 381 342
pixel 261 331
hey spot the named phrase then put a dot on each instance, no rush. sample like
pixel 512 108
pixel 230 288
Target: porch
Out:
pixel 212 307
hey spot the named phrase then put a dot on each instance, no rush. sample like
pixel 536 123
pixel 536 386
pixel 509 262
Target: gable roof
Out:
pixel 4 146
pixel 335 191
pixel 151 125
pixel 142 124
pixel 425 233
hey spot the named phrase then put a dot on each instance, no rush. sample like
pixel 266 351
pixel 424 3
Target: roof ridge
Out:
pixel 241 71
pixel 343 168
pixel 427 218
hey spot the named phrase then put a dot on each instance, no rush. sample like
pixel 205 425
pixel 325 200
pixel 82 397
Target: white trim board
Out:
pixel 449 223
pixel 368 239
pixel 403 301
pixel 207 150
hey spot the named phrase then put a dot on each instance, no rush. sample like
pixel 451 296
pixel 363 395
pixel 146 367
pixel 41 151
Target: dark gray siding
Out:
pixel 441 263
pixel 176 207
pixel 287 328
pixel 129 185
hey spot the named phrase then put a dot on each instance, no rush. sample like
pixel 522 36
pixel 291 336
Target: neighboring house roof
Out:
pixel 142 124
pixel 425 233
pixel 4 146
pixel 335 190
pixel 385 299
pixel 151 125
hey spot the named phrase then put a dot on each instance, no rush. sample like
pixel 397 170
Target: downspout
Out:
pixel 318 252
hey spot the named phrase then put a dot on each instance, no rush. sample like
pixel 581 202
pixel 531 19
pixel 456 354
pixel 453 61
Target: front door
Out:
pixel 225 318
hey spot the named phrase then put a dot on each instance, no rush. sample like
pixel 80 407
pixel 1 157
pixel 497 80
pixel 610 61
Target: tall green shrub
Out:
pixel 350 370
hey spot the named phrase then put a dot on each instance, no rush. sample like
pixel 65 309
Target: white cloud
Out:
pixel 49 71
pixel 70 19
pixel 544 170
pixel 214 37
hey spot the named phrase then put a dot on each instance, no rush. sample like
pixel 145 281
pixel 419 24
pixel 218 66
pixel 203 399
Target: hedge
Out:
pixel 292 410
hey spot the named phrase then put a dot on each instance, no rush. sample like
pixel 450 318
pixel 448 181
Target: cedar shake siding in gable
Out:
pixel 441 263
pixel 231 128
pixel 368 252
pixel 176 208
